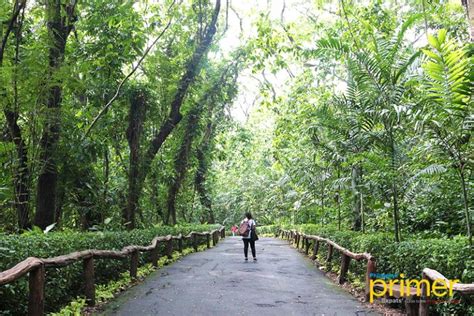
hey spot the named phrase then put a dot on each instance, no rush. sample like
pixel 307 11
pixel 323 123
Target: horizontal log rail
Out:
pixel 430 276
pixel 35 267
pixel 433 275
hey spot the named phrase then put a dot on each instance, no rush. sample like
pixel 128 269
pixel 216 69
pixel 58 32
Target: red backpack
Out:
pixel 244 228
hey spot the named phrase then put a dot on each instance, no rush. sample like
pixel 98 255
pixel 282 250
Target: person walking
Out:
pixel 250 235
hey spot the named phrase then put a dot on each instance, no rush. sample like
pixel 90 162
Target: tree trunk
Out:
pixel 396 225
pixel 201 173
pixel 136 119
pixel 362 216
pixel 203 151
pixel 22 172
pixel 105 193
pixel 469 4
pixel 59 28
pixel 154 198
pixel 338 200
pixel 355 183
pixel 182 158
pixel 323 189
pixel 466 204
pixel 175 116
pixel 190 132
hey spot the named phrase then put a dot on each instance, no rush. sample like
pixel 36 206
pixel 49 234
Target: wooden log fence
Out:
pixel 346 255
pixel 430 276
pixel 36 267
pixel 413 307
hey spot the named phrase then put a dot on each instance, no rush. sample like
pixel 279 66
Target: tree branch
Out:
pixel 134 69
pixel 18 6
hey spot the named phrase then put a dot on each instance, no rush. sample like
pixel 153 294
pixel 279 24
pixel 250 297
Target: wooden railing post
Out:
pixel 169 248
pixel 89 280
pixel 134 264
pixel 307 244
pixel 315 250
pixel 329 257
pixel 423 309
pixel 216 238
pixel 195 241
pixel 345 261
pixel 36 287
pixel 155 255
pixel 208 240
pixel 180 244
pixel 371 268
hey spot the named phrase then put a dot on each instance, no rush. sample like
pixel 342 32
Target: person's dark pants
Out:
pixel 248 241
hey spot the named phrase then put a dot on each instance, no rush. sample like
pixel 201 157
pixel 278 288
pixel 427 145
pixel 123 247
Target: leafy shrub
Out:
pixel 64 284
pixel 267 229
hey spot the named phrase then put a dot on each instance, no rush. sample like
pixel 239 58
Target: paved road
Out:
pixel 219 282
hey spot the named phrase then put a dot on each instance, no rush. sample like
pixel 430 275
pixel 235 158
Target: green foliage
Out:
pixel 361 119
pixel 64 284
pixel 267 230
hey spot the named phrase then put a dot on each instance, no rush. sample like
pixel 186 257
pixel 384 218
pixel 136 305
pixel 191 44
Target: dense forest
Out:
pixel 132 114
pixel 350 116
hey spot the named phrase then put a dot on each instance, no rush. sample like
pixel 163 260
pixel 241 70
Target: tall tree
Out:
pixel 213 99
pixel 11 112
pixel 202 154
pixel 174 116
pixel 136 119
pixel 60 20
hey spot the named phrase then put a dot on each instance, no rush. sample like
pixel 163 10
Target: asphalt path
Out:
pixel 219 282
